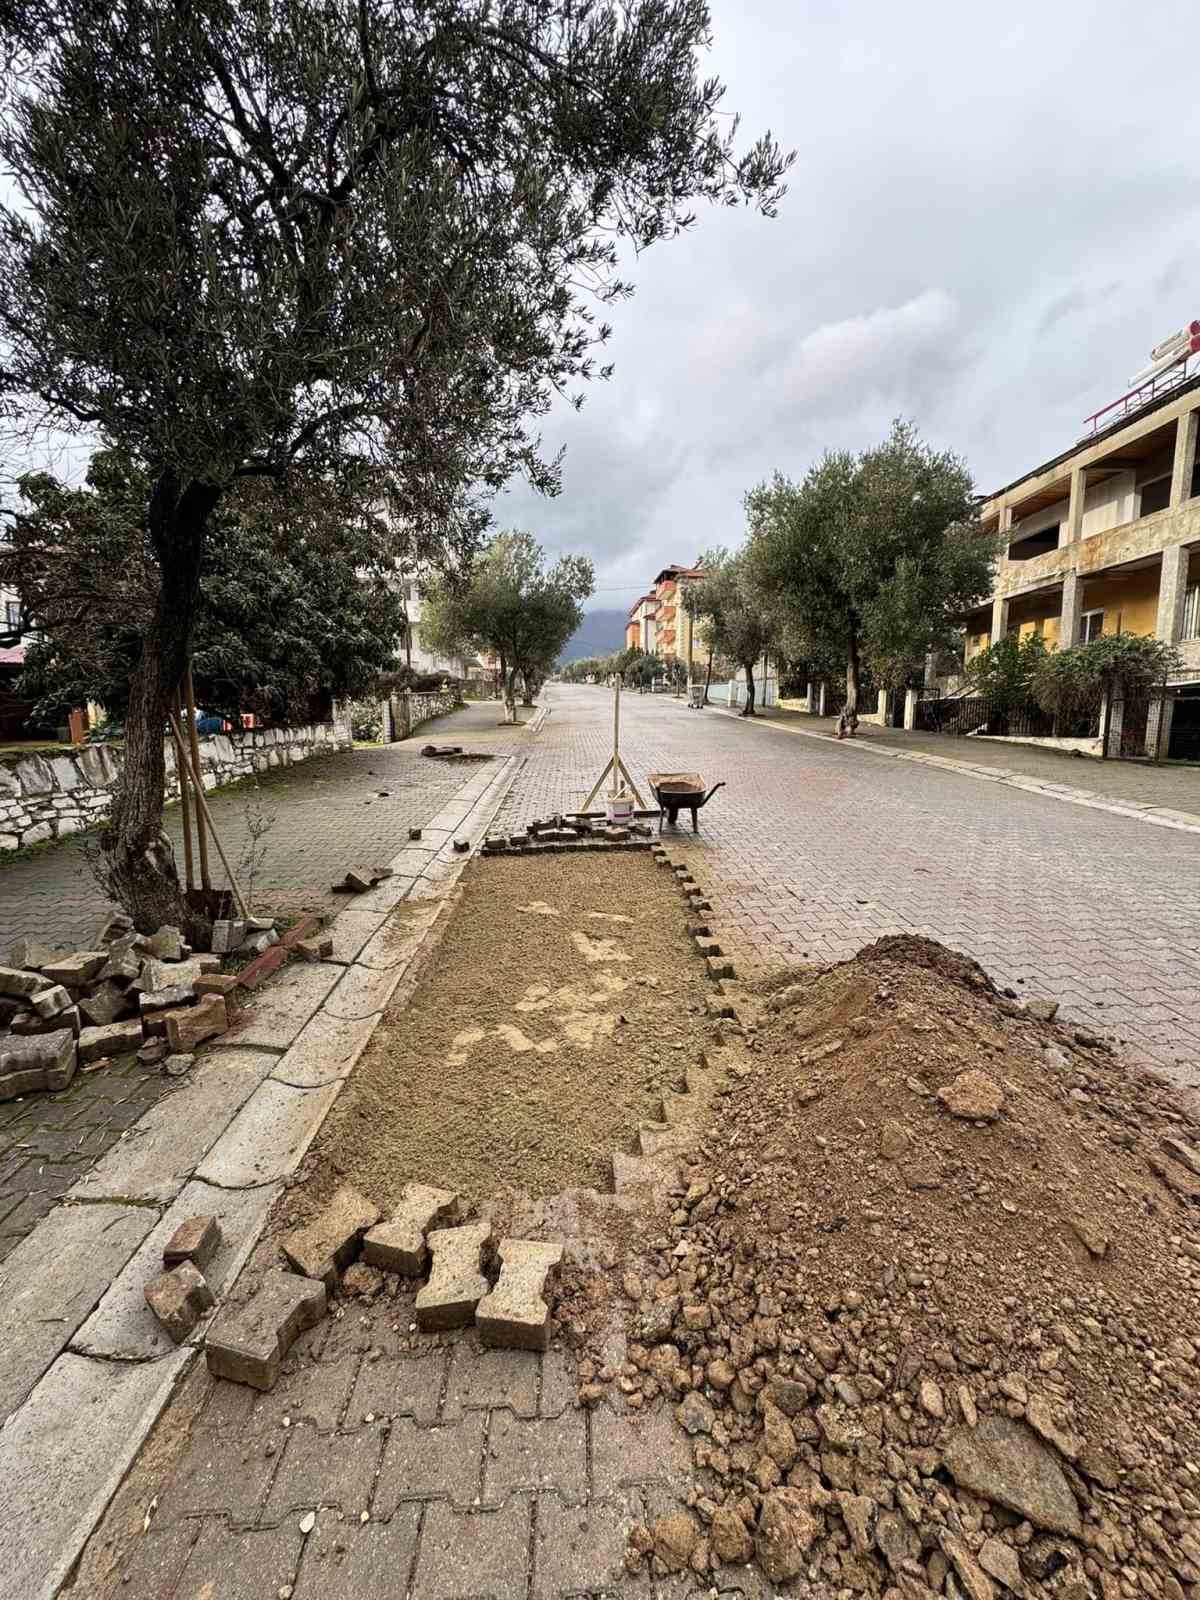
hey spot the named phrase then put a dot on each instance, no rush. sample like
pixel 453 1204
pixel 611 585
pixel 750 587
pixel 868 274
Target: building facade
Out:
pixel 1105 538
pixel 673 630
pixel 640 632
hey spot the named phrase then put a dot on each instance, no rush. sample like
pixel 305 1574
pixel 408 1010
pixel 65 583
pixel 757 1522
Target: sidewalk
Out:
pixel 1169 794
pixel 84 1367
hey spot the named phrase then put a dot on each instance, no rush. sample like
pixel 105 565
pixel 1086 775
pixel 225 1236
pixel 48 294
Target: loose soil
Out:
pixel 856 1279
pixel 563 998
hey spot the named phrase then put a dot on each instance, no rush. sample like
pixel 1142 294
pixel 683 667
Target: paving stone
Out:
pixel 52 1281
pixel 542 1453
pixel 581 1549
pixel 105 1004
pixel 157 1561
pixel 405 1387
pixel 398 1245
pixel 255 973
pixel 173 995
pixel 445 1462
pixel 515 1313
pixel 267 1138
pixel 205 1020
pixel 21 984
pixel 333 1239
pixel 325 1470
pixel 164 944
pixel 153 1163
pixel 560 1385
pixel 49 1002
pixel 488 1378
pixel 470 1554
pixel 314 949
pixel 232 1564
pixel 349 1563
pixel 352 929
pixel 316 1392
pixel 30 953
pixel 362 991
pixel 43 1063
pixel 281 1008
pixel 114 1039
pixel 74 970
pixel 226 984
pixel 196 1239
pixel 122 1327
pixel 326 1051
pixel 179 1298
pixel 59 1475
pixel 247 1342
pixel 636 1449
pixel 456 1282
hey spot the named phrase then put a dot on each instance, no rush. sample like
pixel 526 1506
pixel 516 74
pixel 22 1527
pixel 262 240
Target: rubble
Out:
pixel 332 1240
pixel 247 1342
pixel 924 1304
pixel 179 1298
pixel 190 1026
pixel 45 1062
pixel 398 1245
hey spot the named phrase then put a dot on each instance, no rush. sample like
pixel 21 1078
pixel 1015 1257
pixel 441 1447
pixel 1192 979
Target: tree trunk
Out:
pixel 748 708
pixel 527 689
pixel 137 862
pixel 508 678
pixel 707 677
pixel 852 677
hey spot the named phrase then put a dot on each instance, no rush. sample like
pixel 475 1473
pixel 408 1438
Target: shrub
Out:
pixel 366 721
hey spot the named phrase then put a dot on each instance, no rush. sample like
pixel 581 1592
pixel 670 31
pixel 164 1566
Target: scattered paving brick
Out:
pixel 179 1298
pixel 16 982
pixel 77 969
pixel 112 1040
pixel 515 1314
pixel 332 1240
pixel 456 1281
pixel 46 1062
pixel 247 1343
pixel 225 984
pixel 32 953
pixel 188 1028
pixel 177 994
pixel 260 969
pixel 315 949
pixel 49 1002
pixel 299 931
pixel 398 1245
pixel 195 1240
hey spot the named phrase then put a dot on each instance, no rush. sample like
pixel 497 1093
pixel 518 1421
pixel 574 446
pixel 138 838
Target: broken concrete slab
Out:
pixel 104 1005
pixel 207 1019
pixel 175 994
pixel 398 1245
pixel 62 1457
pixel 122 1327
pixel 516 1314
pixel 395 944
pixel 268 1137
pixel 154 1158
pixel 178 1299
pixel 49 1002
pixel 246 1343
pixel 279 1013
pixel 352 929
pixel 21 984
pixel 325 1052
pixel 226 984
pixel 164 944
pixel 333 1239
pixel 77 969
pixel 53 1279
pixel 40 1062
pixel 196 1240
pixel 32 954
pixel 361 991
pixel 114 1039
pixel 456 1281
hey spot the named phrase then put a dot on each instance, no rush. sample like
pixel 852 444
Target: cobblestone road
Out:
pixel 813 849
pixel 329 814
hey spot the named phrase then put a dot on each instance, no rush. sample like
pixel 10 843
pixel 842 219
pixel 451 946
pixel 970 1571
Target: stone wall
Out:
pixel 47 797
pixel 403 713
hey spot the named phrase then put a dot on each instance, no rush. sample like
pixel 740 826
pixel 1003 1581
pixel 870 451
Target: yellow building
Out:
pixel 673 624
pixel 1105 538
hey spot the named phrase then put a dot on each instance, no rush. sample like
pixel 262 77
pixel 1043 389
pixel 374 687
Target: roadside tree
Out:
pixel 732 619
pixel 243 240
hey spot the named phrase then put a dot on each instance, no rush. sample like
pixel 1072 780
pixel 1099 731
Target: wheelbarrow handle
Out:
pixel 712 792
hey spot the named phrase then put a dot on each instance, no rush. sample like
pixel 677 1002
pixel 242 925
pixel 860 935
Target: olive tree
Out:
pixel 368 241
pixel 732 620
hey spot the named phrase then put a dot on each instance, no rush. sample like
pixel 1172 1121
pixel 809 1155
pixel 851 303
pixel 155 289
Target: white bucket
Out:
pixel 619 808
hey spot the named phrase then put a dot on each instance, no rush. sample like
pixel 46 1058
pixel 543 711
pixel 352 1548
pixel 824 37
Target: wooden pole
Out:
pixel 616 756
pixel 185 806
pixel 201 808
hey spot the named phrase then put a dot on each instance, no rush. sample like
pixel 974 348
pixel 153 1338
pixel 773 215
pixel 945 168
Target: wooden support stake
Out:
pixel 185 807
pixel 201 808
pixel 615 765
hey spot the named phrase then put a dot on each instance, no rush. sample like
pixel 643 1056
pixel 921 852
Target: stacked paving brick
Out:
pixel 570 832
pixel 468 1279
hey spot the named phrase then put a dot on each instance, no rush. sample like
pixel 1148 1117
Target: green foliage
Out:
pixel 731 619
pixel 511 605
pixel 366 721
pixel 1065 680
pixel 1004 671
pixel 293 607
pixel 870 557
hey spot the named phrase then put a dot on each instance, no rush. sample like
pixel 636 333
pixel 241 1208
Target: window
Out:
pixel 1091 626
pixel 1191 612
pixel 12 615
pixel 1156 496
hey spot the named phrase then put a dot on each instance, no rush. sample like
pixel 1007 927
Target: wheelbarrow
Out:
pixel 680 791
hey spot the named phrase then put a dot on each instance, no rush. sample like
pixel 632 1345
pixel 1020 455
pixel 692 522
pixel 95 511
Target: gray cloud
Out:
pixel 992 218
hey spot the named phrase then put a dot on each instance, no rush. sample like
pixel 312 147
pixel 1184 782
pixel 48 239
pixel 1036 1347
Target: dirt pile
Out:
pixel 928 1307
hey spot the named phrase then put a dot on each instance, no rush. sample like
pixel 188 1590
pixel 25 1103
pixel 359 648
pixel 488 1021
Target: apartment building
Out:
pixel 1105 537
pixel 640 629
pixel 672 624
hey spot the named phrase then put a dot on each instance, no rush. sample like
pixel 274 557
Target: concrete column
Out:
pixel 1112 719
pixel 881 707
pixel 1185 458
pixel 1172 590
pixel 1072 609
pixel 1074 529
pixel 910 709
pixel 1158 725
pixel 820 698
pixel 999 618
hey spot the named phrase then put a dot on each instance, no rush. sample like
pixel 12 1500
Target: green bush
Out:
pixel 1065 680
pixel 366 721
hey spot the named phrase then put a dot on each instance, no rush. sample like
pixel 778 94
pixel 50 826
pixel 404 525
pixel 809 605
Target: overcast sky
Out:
pixel 994 213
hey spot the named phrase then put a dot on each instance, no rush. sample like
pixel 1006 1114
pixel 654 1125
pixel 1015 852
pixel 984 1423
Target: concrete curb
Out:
pixel 1159 816
pixel 534 725
pixel 53 1507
